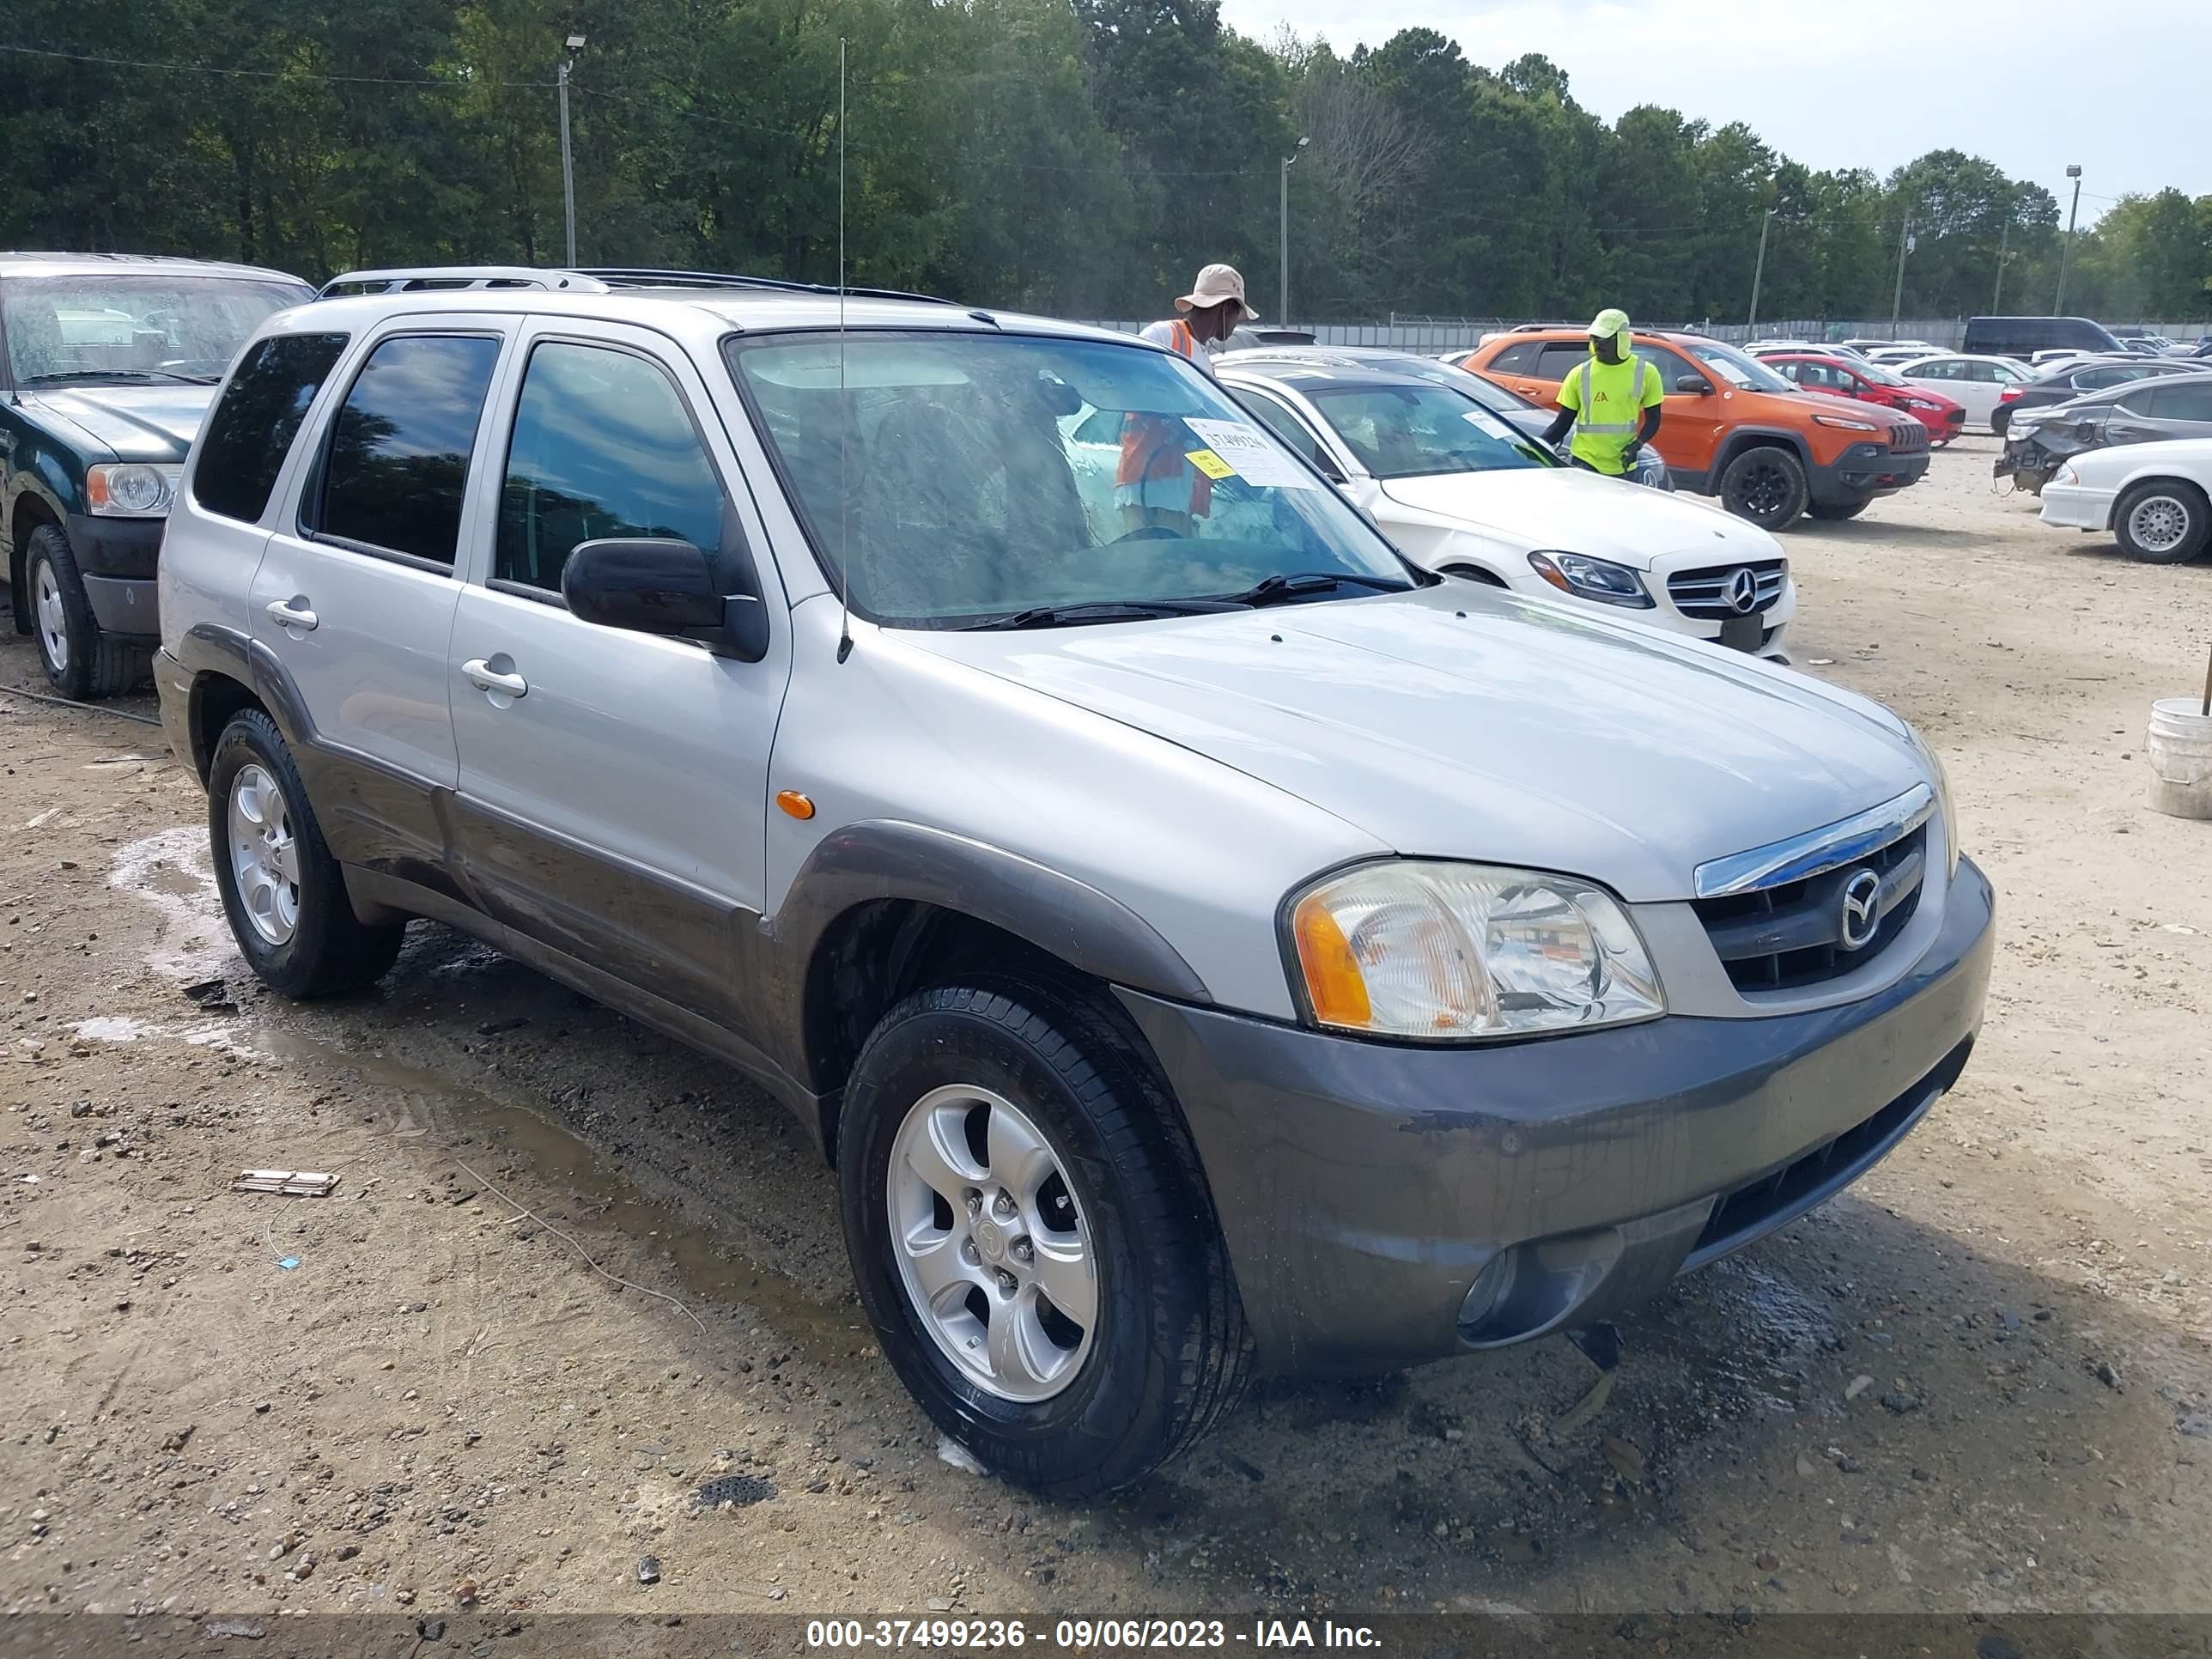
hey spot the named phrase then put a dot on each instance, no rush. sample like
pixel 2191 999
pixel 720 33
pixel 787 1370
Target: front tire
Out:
pixel 82 663
pixel 282 889
pixel 2163 521
pixel 1765 485
pixel 1032 1237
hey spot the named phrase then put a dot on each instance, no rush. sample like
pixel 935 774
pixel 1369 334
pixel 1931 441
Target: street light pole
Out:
pixel 1283 289
pixel 2066 253
pixel 1759 271
pixel 1897 299
pixel 2004 235
pixel 567 162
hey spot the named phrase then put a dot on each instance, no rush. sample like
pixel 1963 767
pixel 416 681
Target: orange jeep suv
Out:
pixel 1734 429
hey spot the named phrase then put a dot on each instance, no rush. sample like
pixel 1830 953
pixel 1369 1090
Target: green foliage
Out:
pixel 1078 156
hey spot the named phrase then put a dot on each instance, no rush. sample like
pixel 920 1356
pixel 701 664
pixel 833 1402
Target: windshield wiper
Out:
pixel 1280 589
pixel 119 374
pixel 1068 615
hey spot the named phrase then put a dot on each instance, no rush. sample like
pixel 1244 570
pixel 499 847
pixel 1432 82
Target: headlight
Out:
pixel 2066 475
pixel 1845 423
pixel 130 490
pixel 1942 801
pixel 1917 402
pixel 1460 952
pixel 1591 579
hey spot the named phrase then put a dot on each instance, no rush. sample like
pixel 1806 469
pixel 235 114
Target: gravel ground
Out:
pixel 1977 1382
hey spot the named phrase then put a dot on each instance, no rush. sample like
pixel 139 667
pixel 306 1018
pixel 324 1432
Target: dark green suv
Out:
pixel 107 365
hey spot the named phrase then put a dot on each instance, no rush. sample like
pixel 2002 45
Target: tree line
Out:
pixel 1080 157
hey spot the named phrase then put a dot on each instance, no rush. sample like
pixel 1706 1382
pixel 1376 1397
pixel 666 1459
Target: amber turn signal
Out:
pixel 1334 980
pixel 794 803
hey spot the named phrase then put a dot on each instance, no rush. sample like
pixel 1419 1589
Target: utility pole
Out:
pixel 1283 290
pixel 1759 271
pixel 2004 235
pixel 567 162
pixel 1897 299
pixel 2066 253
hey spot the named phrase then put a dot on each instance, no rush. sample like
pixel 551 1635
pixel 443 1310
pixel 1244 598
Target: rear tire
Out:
pixel 955 1083
pixel 1765 485
pixel 1835 512
pixel 282 889
pixel 82 663
pixel 2163 521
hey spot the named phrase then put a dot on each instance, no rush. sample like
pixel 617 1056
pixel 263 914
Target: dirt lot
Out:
pixel 1978 1382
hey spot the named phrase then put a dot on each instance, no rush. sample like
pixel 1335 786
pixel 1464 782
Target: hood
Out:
pixel 1577 512
pixel 1463 723
pixel 154 423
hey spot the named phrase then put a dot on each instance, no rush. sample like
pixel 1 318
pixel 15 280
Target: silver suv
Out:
pixel 1200 939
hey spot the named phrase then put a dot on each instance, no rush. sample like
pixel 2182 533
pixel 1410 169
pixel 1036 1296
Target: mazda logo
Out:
pixel 1742 591
pixel 1862 908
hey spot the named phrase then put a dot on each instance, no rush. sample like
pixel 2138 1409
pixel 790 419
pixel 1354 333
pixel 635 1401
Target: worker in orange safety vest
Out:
pixel 1155 484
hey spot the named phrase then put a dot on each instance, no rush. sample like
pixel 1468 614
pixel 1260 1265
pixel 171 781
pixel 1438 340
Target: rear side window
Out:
pixel 603 447
pixel 398 458
pixel 1560 359
pixel 256 419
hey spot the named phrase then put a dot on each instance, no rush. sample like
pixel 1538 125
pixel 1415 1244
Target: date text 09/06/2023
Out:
pixel 1085 1635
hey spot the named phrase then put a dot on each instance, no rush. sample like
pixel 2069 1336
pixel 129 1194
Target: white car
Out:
pixel 2155 498
pixel 1460 492
pixel 1976 382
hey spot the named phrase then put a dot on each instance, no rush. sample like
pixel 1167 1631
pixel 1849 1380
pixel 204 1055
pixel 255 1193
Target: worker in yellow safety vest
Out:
pixel 1154 484
pixel 1611 400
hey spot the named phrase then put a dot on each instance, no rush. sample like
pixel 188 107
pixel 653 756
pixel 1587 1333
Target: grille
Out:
pixel 1702 593
pixel 1780 938
pixel 1908 436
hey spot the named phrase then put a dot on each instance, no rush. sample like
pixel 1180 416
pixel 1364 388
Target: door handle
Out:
pixel 291 616
pixel 485 677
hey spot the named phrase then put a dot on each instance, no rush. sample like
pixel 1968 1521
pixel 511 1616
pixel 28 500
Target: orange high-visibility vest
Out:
pixel 1150 448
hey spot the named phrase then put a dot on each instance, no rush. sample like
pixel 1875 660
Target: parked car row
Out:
pixel 1201 944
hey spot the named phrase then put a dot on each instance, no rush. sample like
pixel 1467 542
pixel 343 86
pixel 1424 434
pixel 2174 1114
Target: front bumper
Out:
pixel 1365 1188
pixel 1864 470
pixel 118 557
pixel 2074 506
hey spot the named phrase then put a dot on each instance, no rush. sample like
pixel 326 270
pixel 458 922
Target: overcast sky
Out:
pixel 1873 83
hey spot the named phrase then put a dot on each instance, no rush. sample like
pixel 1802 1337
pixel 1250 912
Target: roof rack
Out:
pixel 647 276
pixel 418 278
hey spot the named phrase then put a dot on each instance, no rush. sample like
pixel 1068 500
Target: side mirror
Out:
pixel 656 587
pixel 1696 386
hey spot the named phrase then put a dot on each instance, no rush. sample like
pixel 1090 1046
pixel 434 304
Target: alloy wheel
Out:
pixel 2159 523
pixel 264 857
pixel 49 617
pixel 1763 490
pixel 992 1248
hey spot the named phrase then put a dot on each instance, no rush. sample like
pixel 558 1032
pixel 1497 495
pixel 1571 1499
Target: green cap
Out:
pixel 1607 323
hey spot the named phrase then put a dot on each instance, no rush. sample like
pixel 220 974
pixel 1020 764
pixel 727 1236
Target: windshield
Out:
pixel 1877 374
pixel 1412 432
pixel 953 480
pixel 103 327
pixel 1744 374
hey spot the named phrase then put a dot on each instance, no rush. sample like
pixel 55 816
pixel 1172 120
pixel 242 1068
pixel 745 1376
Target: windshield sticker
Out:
pixel 1211 464
pixel 1245 451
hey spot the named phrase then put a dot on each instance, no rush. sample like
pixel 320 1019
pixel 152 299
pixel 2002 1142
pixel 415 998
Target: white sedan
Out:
pixel 1976 382
pixel 2156 498
pixel 1462 493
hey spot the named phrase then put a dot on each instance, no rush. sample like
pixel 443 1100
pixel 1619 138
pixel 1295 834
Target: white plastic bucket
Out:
pixel 2180 751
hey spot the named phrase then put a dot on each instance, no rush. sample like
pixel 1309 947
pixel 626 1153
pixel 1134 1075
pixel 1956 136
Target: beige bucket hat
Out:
pixel 1216 284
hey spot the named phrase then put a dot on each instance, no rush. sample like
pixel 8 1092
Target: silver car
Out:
pixel 1201 941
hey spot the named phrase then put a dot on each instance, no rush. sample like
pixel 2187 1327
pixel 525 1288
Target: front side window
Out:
pixel 1285 426
pixel 603 447
pixel 256 419
pixel 1405 432
pixel 123 328
pixel 953 480
pixel 398 465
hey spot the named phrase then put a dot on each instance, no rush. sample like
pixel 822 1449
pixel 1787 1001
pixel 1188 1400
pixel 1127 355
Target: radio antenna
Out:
pixel 844 410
